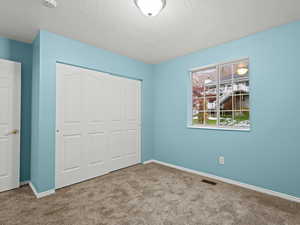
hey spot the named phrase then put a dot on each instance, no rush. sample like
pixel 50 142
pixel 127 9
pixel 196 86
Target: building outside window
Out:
pixel 220 96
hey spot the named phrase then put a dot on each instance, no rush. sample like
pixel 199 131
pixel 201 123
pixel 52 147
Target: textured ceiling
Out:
pixel 184 26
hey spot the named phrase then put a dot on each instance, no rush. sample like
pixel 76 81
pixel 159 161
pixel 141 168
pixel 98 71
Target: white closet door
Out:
pixel 98 123
pixel 124 130
pixel 10 100
pixel 70 127
pixel 95 103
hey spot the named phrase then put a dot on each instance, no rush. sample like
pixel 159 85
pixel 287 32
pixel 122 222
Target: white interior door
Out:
pixel 10 99
pixel 98 124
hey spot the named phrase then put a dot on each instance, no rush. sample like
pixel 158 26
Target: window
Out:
pixel 220 96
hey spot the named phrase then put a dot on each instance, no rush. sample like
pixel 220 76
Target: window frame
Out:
pixel 190 97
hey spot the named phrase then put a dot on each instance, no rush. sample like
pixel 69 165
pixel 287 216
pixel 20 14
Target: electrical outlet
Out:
pixel 221 160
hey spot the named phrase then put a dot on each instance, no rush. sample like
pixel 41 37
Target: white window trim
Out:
pixel 190 99
pixel 217 128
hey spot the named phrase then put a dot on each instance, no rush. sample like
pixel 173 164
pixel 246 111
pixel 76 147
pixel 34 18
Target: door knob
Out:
pixel 15 131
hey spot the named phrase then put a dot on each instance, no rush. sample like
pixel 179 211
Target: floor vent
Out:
pixel 209 182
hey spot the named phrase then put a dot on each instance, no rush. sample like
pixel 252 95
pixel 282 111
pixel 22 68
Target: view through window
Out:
pixel 221 96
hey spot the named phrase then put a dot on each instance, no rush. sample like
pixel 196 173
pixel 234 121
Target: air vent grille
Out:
pixel 209 182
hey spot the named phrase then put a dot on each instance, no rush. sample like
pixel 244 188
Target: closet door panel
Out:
pixel 96 135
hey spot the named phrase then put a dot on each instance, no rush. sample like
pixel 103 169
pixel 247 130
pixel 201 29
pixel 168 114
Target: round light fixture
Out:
pixel 242 70
pixel 50 3
pixel 150 7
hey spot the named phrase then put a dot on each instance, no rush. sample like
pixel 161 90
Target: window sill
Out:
pixel 218 128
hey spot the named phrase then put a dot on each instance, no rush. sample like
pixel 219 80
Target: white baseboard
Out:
pixel 41 194
pixel 229 181
pixel 149 161
pixel 22 183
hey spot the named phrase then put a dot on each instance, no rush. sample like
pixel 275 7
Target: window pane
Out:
pixel 241 70
pixel 226 118
pixel 198 118
pixel 241 102
pixel 211 103
pixel 225 95
pixel 205 82
pixel 241 105
pixel 206 118
pixel 242 119
pixel 234 95
pixel 204 94
pixel 226 74
pixel 226 101
pixel 211 118
pixel 233 119
pixel 198 104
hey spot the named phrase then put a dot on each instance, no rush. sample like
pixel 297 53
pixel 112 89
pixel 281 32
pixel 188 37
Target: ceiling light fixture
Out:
pixel 242 69
pixel 150 7
pixel 50 3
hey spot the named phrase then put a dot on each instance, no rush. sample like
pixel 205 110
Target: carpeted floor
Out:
pixel 147 195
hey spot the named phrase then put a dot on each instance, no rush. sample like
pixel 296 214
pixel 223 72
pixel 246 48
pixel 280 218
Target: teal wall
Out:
pixel 49 49
pixel 21 52
pixel 268 156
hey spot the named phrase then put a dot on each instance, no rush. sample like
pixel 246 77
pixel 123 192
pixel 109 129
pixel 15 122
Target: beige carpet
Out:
pixel 147 195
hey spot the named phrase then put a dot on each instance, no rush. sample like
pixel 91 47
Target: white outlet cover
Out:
pixel 221 160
